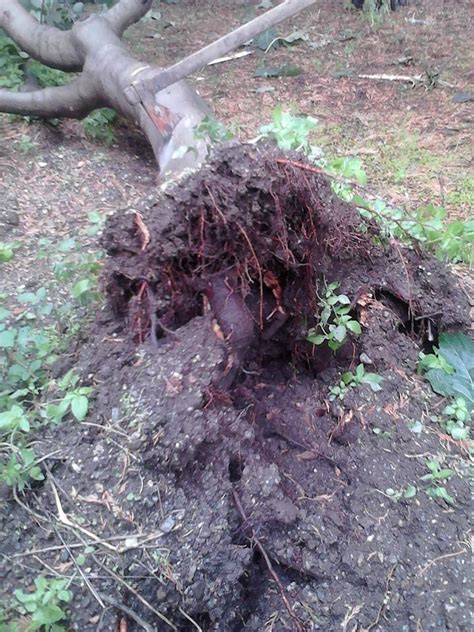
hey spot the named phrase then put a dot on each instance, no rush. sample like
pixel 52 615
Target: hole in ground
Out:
pixel 236 467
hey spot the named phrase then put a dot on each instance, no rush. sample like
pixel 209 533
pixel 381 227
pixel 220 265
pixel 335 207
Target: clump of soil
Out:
pixel 216 486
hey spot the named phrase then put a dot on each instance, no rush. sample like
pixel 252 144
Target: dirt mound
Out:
pixel 256 237
pixel 217 487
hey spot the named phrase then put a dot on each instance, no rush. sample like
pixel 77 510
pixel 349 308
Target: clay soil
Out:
pixel 215 484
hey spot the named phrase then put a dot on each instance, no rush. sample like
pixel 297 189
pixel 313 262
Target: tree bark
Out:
pixel 164 106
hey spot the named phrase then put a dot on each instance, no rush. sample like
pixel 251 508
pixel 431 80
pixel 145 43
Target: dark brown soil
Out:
pixel 217 486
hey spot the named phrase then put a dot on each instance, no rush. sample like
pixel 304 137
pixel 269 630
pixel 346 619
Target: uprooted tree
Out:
pixel 159 101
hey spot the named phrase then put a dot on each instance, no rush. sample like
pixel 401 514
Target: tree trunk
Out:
pixel 159 101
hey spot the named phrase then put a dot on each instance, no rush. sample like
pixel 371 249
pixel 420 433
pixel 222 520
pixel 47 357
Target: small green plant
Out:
pixel 7 251
pixel 15 66
pixel 406 493
pixel 26 144
pixel 20 468
pixel 11 61
pixel 441 493
pixel 99 125
pixel 456 418
pixel 353 380
pixel 291 132
pixel 213 130
pixel 45 76
pixel 375 11
pixel 436 472
pixel 335 322
pixel 434 360
pixel 44 606
pixel 448 240
pixel 435 475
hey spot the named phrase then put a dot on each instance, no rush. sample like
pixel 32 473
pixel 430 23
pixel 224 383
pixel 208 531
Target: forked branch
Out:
pixel 47 44
pixel 125 13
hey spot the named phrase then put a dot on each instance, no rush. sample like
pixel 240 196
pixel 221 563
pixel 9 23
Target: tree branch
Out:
pixel 75 100
pixel 125 13
pixel 47 44
pixel 223 45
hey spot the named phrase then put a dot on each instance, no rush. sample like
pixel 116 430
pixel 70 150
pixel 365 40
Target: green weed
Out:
pixel 42 608
pixel 335 322
pixel 353 380
pixel 435 475
pixel 8 250
pixel 31 337
pixel 99 125
pixel 291 132
pixel 456 418
pixel 405 493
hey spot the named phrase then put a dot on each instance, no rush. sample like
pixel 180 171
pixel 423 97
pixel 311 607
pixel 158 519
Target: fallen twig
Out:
pixel 413 79
pixel 299 625
pixel 136 593
pixel 130 613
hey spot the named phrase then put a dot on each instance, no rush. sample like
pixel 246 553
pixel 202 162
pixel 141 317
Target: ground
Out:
pixel 266 507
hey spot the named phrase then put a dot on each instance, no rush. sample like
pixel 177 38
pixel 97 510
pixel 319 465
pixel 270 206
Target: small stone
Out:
pixel 364 358
pixel 131 543
pixel 167 525
pixel 7 216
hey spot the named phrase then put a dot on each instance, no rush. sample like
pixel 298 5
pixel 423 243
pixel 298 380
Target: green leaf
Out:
pixel 373 380
pixel 36 474
pixel 79 407
pixel 295 37
pixel 442 493
pixel 81 287
pixel 7 338
pixel 267 39
pixel 409 492
pixel 458 350
pixel 360 372
pixel 10 419
pixel 316 340
pixel 339 333
pixel 460 433
pixel 347 377
pixel 354 326
pixel 46 615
